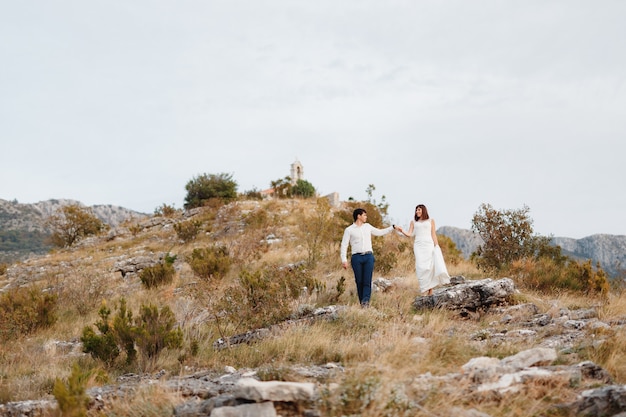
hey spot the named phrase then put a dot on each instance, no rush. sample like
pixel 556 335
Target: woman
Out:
pixel 429 266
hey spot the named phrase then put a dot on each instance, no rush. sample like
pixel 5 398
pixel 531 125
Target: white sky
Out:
pixel 446 103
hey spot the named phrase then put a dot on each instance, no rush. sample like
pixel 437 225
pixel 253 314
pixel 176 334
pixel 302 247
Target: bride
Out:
pixel 429 264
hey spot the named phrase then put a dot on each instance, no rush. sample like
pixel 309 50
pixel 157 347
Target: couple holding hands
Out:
pixel 429 264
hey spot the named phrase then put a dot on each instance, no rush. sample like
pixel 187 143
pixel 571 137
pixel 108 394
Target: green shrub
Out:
pixel 210 262
pixel 160 274
pixel 206 187
pixel 155 331
pixel 71 394
pixel 303 188
pixel 187 230
pixel 147 335
pixel 101 346
pixel 25 310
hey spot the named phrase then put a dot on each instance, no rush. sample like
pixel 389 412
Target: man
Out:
pixel 359 236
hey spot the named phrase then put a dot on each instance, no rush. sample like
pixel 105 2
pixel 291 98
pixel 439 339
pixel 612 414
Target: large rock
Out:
pixel 258 391
pixel 469 296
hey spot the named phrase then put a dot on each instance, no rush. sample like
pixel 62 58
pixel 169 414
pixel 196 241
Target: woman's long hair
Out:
pixel 424 212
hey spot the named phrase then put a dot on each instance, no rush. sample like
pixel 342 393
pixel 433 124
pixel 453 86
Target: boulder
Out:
pixel 469 296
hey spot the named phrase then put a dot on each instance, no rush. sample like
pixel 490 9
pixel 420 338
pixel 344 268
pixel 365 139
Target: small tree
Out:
pixel 507 235
pixel 383 206
pixel 205 187
pixel 282 187
pixel 71 223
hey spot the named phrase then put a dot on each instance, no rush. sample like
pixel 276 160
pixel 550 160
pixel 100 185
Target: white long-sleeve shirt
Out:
pixel 360 238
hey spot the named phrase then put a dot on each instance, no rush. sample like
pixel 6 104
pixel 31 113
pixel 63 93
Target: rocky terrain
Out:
pixel 497 350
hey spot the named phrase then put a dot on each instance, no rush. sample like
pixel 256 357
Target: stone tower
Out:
pixel 297 172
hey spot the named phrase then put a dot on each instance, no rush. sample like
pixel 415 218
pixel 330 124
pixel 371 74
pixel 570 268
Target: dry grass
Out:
pixel 383 350
pixel 151 401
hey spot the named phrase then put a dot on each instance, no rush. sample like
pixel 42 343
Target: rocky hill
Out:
pixel 479 347
pixel 608 250
pixel 23 231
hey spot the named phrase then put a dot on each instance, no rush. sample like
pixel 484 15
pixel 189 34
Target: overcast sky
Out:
pixel 447 103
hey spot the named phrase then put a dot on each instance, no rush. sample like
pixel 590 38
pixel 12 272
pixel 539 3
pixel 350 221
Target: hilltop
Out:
pixel 532 355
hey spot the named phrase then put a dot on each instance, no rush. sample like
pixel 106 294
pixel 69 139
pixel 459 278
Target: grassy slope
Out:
pixel 382 348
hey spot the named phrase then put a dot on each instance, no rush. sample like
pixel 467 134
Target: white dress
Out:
pixel 424 250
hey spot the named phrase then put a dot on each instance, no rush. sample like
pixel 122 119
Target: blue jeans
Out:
pixel 363 267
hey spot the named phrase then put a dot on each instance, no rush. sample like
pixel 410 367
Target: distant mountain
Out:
pixel 465 240
pixel 608 250
pixel 23 230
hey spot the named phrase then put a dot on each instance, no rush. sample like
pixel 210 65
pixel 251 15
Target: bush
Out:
pixel 253 194
pixel 25 310
pixel 263 297
pixel 303 188
pixel 83 291
pixel 151 332
pixel 549 275
pixel 160 274
pixel 101 346
pixel 72 223
pixel 71 394
pixel 188 230
pixel 155 331
pixel 211 262
pixel 206 187
pixel 165 210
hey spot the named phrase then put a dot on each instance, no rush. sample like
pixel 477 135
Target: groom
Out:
pixel 359 236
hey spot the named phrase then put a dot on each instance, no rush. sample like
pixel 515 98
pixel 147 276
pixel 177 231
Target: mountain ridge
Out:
pixel 23 231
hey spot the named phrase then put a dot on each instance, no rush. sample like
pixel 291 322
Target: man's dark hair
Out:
pixel 357 212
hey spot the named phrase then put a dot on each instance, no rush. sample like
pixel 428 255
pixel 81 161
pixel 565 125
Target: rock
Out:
pixel 253 390
pixel 265 409
pixel 136 264
pixel 28 408
pixel 382 284
pixel 470 296
pixel 530 357
pixel 605 401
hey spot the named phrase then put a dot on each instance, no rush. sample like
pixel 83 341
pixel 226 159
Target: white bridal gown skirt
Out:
pixel 429 266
